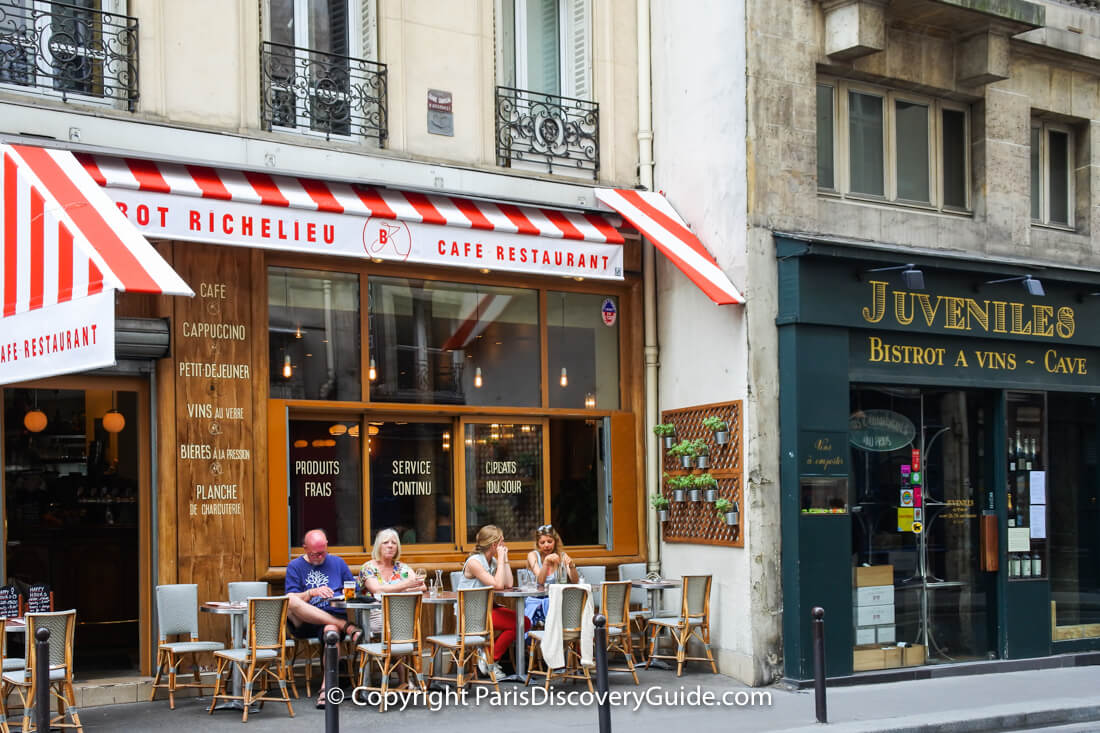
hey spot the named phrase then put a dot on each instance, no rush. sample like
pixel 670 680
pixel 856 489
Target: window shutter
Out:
pixel 369 24
pixel 577 49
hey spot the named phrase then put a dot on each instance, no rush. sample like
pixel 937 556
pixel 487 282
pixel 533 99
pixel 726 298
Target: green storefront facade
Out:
pixel 939 455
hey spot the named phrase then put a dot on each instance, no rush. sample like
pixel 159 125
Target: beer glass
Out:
pixel 349 590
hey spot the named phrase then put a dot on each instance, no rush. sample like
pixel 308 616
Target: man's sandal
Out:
pixel 353 633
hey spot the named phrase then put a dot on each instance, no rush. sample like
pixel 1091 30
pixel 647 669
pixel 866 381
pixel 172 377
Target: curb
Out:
pixel 1017 716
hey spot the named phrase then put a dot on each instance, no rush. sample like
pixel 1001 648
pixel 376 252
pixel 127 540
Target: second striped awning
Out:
pixel 652 215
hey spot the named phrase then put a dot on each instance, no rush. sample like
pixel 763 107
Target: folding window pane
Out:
pixel 825 137
pixel 410 480
pixel 911 125
pixel 582 332
pixel 954 158
pixel 865 143
pixel 543 46
pixel 326 480
pixel 580 480
pixel 503 479
pixel 453 343
pixel 1058 163
pixel 1036 175
pixel 313 334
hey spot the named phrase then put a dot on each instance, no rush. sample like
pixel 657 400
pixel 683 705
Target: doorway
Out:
pixel 918 491
pixel 76 488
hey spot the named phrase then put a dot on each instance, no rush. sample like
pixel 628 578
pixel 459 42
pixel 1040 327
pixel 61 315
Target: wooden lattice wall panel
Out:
pixel 697 522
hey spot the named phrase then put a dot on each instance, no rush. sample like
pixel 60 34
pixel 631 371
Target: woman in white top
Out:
pixel 550 564
pixel 488 567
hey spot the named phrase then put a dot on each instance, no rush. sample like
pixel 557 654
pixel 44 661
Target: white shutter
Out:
pixel 577 49
pixel 369 26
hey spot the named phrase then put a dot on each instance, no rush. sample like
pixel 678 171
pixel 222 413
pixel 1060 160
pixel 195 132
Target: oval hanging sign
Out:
pixel 880 430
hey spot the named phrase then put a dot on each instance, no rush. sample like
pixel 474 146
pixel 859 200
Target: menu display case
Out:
pixel 1026 490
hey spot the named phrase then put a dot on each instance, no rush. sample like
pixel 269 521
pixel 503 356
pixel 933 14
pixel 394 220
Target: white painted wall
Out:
pixel 699 122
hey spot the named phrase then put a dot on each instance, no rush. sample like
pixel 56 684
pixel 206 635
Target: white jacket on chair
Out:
pixel 552 640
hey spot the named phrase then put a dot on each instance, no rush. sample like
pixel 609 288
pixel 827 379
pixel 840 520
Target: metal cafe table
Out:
pixel 237 613
pixel 441 599
pixel 517 595
pixel 654 588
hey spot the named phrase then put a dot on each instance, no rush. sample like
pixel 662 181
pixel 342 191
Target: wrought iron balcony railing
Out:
pixel 323 93
pixel 559 134
pixel 56 48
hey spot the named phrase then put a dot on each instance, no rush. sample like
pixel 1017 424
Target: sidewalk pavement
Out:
pixel 963 704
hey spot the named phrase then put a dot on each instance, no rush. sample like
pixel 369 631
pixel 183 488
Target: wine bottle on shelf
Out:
pixel 1019 452
pixel 1011 456
pixel 1011 511
pixel 1027 453
pixel 1035 454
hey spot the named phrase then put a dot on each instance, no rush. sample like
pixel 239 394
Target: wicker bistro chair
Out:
pixel 574 598
pixel 640 611
pixel 693 621
pixel 615 598
pixel 240 591
pixel 62 625
pixel 178 615
pixel 594 575
pixel 400 647
pixel 266 650
pixel 474 637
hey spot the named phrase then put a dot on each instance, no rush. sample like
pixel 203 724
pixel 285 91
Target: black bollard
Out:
pixel 600 643
pixel 819 663
pixel 42 679
pixel 332 682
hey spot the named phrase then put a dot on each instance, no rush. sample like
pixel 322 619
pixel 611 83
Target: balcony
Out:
pixel 319 93
pixel 546 132
pixel 56 49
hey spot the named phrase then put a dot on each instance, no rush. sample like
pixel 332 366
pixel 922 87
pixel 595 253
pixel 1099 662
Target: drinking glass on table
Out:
pixel 349 590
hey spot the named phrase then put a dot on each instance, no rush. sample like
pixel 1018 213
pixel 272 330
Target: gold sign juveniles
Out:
pixel 969 314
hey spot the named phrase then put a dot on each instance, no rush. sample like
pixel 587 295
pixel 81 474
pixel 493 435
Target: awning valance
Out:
pixel 66 250
pixel 253 209
pixel 653 216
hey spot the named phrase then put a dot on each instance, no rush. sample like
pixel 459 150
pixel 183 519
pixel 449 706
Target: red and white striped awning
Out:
pixel 653 216
pixel 65 250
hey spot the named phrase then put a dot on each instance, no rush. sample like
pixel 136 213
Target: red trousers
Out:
pixel 504 623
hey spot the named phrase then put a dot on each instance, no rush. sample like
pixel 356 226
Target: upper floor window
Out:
pixel 544 119
pixel 318 71
pixel 1052 195
pixel 892 146
pixel 81 48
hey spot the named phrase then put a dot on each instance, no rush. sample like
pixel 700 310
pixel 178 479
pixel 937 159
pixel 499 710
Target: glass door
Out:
pixel 921 476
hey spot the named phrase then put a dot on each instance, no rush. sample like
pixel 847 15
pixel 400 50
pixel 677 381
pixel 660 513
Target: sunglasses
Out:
pixel 545 528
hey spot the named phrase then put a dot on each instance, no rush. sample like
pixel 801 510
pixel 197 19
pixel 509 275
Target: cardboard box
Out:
pixel 874 575
pixel 885 634
pixel 913 656
pixel 874 615
pixel 864 659
pixel 892 656
pixel 874 595
pixel 866 635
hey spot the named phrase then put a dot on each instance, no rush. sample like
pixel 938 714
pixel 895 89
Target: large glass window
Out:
pixel 580 481
pixel 1052 191
pixel 504 478
pixel 326 480
pixel 313 334
pixel 410 480
pixel 1074 507
pixel 453 343
pixel 582 334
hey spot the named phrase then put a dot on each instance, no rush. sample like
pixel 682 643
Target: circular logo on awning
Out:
pixel 880 430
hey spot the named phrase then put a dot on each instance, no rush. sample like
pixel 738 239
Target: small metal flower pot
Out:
pixel 670 440
pixel 702 462
pixel 662 515
pixel 732 518
pixel 677 494
pixel 710 495
pixel 695 494
pixel 685 461
pixel 722 437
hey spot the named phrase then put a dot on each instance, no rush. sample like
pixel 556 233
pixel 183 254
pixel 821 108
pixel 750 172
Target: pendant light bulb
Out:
pixel 35 421
pixel 298 332
pixel 477 378
pixel 590 401
pixel 564 378
pixel 287 371
pixel 372 372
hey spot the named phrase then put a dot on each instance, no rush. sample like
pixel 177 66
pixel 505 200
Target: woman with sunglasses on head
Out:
pixel 549 563
pixel 488 566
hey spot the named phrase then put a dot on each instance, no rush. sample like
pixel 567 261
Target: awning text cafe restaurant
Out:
pixel 353 358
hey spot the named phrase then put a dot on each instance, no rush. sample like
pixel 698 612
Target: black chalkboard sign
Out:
pixel 9 602
pixel 38 599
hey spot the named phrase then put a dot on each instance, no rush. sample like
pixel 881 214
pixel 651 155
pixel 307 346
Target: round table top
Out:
pixel 356 605
pixel 223 607
pixel 655 584
pixel 522 592
pixel 447 596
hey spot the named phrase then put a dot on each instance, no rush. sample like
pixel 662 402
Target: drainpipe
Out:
pixel 649 289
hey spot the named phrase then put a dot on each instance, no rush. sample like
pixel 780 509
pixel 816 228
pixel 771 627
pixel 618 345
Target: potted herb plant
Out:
pixel 728 510
pixel 660 503
pixel 701 453
pixel 685 450
pixel 667 432
pixel 709 485
pixel 677 484
pixel 719 427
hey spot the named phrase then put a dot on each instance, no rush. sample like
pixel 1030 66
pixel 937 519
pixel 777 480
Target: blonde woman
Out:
pixel 488 566
pixel 385 573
